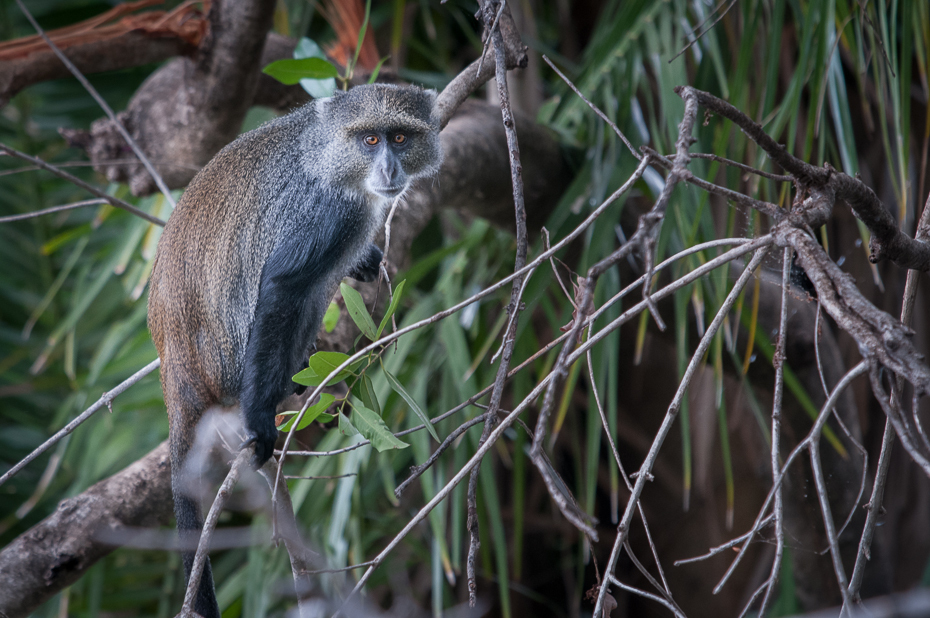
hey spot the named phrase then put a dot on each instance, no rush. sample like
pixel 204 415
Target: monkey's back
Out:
pixel 208 266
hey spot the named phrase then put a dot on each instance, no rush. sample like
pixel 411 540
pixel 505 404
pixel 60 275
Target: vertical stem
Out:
pixel 491 10
pixel 779 362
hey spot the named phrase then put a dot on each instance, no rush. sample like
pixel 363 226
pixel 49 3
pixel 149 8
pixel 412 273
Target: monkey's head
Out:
pixel 382 137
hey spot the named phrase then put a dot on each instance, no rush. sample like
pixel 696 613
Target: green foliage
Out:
pixel 331 317
pixel 316 88
pixel 357 311
pixel 292 71
pixel 322 364
pixel 313 413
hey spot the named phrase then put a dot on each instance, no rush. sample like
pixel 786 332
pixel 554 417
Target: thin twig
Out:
pixel 732 543
pixel 106 400
pixel 351 567
pixel 827 515
pixel 623 474
pixel 594 107
pixel 51 210
pixel 778 361
pixel 766 208
pixel 209 525
pixel 708 29
pixel 319 478
pixel 516 292
pixel 113 201
pixel 487 41
pixel 417 471
pixel 746 168
pixel 671 607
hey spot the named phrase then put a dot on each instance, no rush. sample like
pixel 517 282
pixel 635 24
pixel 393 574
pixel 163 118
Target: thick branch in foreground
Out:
pixel 57 551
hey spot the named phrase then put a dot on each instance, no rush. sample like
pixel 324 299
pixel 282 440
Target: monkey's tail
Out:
pixel 188 514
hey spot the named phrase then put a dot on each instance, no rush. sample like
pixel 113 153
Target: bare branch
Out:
pixel 106 400
pixel 52 210
pixel 56 552
pixel 113 201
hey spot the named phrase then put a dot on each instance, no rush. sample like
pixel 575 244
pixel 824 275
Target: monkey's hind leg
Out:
pixel 182 426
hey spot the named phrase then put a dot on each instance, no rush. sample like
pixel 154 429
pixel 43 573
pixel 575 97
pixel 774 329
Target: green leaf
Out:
pixel 369 424
pixel 291 70
pixel 377 69
pixel 357 311
pixel 400 390
pixel 331 317
pixel 321 365
pixel 316 88
pixel 398 292
pixel 346 427
pixel 361 33
pixel 365 391
pixel 312 413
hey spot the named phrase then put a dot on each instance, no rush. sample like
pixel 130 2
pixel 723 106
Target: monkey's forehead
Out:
pixel 388 121
pixel 384 106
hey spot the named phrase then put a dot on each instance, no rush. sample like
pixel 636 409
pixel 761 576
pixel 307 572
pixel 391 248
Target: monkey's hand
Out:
pixel 368 267
pixel 263 438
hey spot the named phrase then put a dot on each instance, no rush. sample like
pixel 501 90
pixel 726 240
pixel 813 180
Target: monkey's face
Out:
pixel 390 136
pixel 385 152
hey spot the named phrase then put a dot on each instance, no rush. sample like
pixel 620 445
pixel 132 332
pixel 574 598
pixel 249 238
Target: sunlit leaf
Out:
pixel 321 365
pixel 331 317
pixel 398 292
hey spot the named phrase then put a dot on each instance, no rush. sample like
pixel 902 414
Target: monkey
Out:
pixel 252 255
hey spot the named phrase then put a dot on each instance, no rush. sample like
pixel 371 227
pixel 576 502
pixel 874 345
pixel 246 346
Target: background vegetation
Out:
pixel 837 81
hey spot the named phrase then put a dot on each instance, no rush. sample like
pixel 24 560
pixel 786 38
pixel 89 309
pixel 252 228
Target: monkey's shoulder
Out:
pixel 325 232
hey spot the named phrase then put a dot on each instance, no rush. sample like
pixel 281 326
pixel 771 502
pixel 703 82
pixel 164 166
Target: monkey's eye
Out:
pixel 400 138
pixel 372 140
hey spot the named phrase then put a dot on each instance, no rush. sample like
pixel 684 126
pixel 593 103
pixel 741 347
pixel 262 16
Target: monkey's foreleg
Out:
pixel 368 266
pixel 287 318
